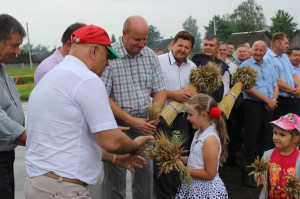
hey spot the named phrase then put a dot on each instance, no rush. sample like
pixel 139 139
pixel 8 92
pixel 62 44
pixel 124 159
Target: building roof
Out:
pixel 251 37
pixel 295 39
pixel 162 44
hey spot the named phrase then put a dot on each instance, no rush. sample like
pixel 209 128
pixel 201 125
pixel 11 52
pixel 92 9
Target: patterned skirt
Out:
pixel 214 189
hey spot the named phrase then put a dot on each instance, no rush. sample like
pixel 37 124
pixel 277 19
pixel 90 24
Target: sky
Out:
pixel 47 20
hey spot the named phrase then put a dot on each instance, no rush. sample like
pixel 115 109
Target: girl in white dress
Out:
pixel 208 149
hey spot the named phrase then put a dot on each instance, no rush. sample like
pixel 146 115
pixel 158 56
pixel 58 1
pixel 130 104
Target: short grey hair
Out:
pixel 9 25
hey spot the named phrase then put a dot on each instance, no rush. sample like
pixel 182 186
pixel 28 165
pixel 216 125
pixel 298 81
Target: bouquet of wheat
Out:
pixel 153 111
pixel 204 79
pixel 243 76
pixel 166 152
pixel 292 188
pixel 259 167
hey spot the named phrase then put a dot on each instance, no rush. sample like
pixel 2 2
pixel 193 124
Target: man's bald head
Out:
pixel 134 22
pixel 259 50
pixel 135 34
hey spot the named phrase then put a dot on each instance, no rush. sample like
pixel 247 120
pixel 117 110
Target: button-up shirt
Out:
pixel 175 76
pixel 237 62
pixel 65 109
pixel 47 64
pixel 12 118
pixel 297 72
pixel 283 69
pixel 129 80
pixel 266 79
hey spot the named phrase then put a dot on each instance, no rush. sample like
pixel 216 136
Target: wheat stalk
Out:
pixel 166 152
pixel 259 167
pixel 153 111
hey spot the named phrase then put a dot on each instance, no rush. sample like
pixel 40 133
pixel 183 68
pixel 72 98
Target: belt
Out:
pixel 76 181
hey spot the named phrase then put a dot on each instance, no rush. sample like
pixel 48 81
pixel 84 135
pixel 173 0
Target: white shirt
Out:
pixel 226 82
pixel 175 77
pixel 64 110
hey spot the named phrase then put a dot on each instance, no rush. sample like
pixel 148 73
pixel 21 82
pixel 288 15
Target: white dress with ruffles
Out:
pixel 201 188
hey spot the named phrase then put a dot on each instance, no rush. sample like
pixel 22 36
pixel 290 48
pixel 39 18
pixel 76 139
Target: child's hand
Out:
pixel 182 160
pixel 259 178
pixel 178 159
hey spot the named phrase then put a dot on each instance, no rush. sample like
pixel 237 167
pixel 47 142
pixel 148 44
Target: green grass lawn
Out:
pixel 26 90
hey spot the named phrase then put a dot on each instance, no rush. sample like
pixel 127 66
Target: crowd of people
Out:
pixel 90 103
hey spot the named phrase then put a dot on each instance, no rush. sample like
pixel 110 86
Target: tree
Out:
pixel 153 35
pixel 248 17
pixel 113 38
pixel 190 25
pixel 224 28
pixel 283 22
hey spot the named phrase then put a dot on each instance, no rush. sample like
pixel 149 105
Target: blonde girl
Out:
pixel 207 151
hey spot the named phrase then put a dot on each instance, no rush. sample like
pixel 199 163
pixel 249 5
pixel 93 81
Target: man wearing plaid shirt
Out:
pixel 129 82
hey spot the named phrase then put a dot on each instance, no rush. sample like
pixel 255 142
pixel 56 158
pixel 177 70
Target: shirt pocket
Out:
pixel 146 78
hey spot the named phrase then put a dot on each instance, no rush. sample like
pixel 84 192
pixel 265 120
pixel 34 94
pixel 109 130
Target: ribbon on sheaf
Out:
pixel 173 108
pixel 232 95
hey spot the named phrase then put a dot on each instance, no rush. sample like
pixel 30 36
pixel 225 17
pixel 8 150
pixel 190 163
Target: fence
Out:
pixel 21 85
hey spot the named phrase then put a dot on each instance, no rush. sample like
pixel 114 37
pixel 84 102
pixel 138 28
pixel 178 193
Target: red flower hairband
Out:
pixel 215 112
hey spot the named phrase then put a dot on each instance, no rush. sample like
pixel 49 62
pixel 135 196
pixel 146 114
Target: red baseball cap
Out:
pixel 91 34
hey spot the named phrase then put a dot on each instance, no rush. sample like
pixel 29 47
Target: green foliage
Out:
pixel 153 35
pixel 113 38
pixel 20 71
pixel 26 90
pixel 248 16
pixel 224 28
pixel 190 25
pixel 283 22
pixel 37 49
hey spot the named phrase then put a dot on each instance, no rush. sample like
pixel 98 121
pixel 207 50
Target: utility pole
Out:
pixel 29 50
pixel 215 26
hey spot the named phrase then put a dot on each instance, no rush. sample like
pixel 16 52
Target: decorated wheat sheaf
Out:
pixel 259 167
pixel 153 111
pixel 292 188
pixel 247 75
pixel 243 76
pixel 204 79
pixel 207 78
pixel 166 151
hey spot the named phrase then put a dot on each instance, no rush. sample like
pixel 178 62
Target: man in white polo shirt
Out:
pixel 71 126
pixel 176 68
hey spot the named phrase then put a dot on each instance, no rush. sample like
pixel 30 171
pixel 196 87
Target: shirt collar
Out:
pixel 271 53
pixel 173 61
pixel 57 53
pixel 254 61
pixel 121 50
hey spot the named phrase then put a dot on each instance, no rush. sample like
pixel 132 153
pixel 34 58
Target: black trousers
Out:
pixel 7 183
pixel 258 132
pixel 296 106
pixel 235 128
pixel 166 185
pixel 285 106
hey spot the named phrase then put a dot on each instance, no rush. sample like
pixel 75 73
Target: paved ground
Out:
pixel 229 174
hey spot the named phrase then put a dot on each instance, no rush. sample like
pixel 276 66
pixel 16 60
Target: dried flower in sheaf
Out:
pixel 292 187
pixel 259 167
pixel 207 78
pixel 247 75
pixel 166 152
pixel 153 111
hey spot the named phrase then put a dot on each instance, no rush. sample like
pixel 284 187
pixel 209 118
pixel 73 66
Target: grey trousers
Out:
pixel 43 187
pixel 115 177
